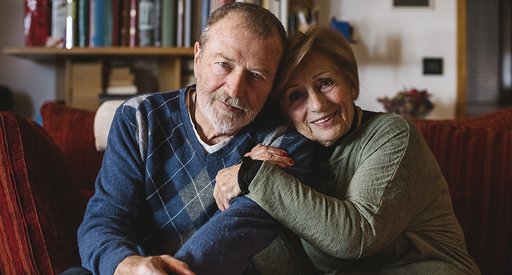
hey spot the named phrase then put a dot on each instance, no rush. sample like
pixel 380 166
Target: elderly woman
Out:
pixel 376 201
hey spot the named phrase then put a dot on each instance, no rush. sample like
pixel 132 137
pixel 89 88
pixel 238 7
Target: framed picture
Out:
pixel 411 3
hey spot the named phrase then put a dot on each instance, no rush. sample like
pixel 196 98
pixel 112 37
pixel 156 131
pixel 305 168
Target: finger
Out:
pixel 174 265
pixel 218 201
pixel 281 161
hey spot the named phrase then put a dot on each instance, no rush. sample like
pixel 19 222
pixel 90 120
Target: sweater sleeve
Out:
pixel 378 191
pixel 107 233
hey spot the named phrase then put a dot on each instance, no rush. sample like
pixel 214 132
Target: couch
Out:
pixel 47 175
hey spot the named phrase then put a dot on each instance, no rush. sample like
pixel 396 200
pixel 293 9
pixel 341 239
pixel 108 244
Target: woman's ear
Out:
pixel 355 94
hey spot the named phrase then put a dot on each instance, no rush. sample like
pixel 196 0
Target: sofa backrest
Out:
pixel 476 160
pixel 72 130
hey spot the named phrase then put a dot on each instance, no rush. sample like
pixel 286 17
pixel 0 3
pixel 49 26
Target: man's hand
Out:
pixel 157 265
pixel 226 186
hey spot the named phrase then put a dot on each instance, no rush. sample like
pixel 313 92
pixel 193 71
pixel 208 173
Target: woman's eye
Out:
pixel 294 96
pixel 325 83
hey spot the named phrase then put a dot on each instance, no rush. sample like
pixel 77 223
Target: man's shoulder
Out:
pixel 152 101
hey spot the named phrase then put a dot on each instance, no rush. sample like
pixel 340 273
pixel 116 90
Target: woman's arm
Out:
pixel 373 203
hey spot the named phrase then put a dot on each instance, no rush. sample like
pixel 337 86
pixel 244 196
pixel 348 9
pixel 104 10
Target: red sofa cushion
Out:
pixel 73 131
pixel 477 164
pixel 39 212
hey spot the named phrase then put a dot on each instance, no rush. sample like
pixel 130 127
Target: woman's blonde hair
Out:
pixel 323 39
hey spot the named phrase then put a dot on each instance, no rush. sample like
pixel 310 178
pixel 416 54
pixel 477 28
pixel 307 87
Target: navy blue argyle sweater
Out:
pixel 155 186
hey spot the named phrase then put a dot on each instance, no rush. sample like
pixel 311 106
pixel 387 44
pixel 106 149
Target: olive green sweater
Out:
pixel 376 202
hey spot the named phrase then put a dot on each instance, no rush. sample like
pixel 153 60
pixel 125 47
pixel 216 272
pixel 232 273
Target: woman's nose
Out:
pixel 316 101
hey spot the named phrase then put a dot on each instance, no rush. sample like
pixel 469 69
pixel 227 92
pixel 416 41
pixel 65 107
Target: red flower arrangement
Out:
pixel 410 103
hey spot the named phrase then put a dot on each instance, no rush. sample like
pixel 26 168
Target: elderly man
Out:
pixel 154 190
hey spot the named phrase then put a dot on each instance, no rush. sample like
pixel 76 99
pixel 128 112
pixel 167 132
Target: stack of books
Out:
pixel 121 84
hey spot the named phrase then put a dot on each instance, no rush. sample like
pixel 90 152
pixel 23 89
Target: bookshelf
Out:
pixel 172 66
pixel 153 38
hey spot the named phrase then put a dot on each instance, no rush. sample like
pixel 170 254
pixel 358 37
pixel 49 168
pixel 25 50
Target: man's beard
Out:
pixel 223 121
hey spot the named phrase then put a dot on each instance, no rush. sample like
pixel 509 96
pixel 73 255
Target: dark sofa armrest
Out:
pixel 39 209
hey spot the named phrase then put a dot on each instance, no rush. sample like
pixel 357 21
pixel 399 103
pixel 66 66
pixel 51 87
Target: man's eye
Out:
pixel 257 76
pixel 224 65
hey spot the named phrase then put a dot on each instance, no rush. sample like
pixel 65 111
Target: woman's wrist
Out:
pixel 248 170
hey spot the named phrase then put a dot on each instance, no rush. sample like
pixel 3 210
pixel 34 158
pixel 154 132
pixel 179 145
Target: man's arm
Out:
pixel 107 235
pixel 227 243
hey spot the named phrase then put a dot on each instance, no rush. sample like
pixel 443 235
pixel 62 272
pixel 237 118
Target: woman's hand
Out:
pixel 226 186
pixel 271 154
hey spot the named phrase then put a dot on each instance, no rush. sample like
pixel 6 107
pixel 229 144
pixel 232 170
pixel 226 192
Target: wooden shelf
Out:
pixel 170 62
pixel 43 53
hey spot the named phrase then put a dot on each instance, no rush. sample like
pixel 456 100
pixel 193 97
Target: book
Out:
pixel 205 12
pixel 37 22
pixel 196 21
pixel 124 24
pixel 133 33
pixel 180 21
pixel 97 23
pixel 169 20
pixel 71 25
pixel 108 21
pixel 187 24
pixel 146 22
pixel 116 21
pixel 121 90
pixel 58 23
pixel 83 23
pixel 157 31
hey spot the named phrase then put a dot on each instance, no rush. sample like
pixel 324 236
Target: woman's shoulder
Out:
pixel 388 121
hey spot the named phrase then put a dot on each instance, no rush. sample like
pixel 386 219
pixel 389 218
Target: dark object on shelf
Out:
pixel 344 27
pixel 6 99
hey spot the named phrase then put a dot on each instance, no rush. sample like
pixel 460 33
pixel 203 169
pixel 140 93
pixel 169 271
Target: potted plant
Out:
pixel 409 103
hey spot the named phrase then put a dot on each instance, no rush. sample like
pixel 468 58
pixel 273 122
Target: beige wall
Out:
pixel 391 43
pixel 32 83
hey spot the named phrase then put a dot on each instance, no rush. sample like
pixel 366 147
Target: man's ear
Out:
pixel 197 53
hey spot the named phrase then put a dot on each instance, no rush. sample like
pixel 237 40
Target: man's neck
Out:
pixel 203 126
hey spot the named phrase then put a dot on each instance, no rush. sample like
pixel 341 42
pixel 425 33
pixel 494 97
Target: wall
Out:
pixel 391 43
pixel 32 83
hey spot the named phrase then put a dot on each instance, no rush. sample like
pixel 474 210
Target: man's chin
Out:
pixel 230 128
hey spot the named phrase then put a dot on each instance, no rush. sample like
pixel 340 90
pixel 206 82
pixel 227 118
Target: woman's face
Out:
pixel 318 101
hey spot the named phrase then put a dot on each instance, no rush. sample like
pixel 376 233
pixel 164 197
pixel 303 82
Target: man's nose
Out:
pixel 236 84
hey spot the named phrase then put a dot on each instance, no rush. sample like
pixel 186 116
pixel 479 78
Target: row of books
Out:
pixel 128 23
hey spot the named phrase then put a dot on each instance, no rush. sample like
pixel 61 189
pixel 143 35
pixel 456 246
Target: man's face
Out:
pixel 234 71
